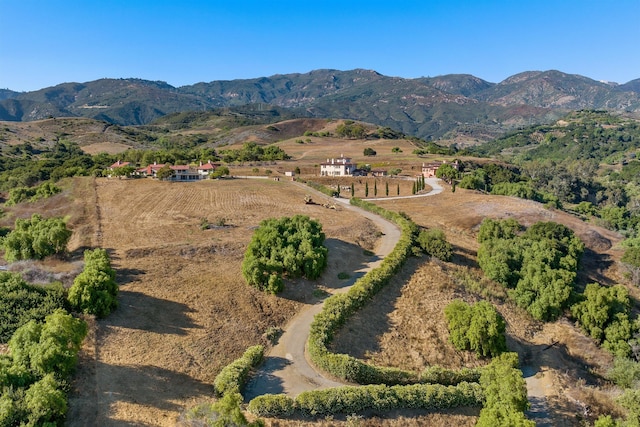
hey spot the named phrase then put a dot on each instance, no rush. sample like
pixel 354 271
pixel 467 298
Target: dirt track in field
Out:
pixel 185 310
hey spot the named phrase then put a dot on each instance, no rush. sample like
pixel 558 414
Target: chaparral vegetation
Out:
pixel 126 297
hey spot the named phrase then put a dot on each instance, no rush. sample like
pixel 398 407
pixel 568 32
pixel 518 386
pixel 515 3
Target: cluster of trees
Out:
pixel 291 246
pixel 64 159
pixel 476 327
pixel 604 313
pixel 561 165
pixel 351 129
pixel 585 134
pixel 252 152
pixel 21 302
pixel 34 373
pixel 44 339
pixel 431 147
pixel 32 194
pixel 418 185
pixel 538 265
pixel 95 291
pixel 447 173
pixel 36 238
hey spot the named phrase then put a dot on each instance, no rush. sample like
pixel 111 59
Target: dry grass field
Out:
pixel 404 325
pixel 185 310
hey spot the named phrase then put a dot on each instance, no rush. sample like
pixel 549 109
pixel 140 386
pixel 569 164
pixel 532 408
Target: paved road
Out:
pixel 286 368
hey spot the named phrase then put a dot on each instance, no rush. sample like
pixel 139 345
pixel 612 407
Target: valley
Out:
pixel 185 311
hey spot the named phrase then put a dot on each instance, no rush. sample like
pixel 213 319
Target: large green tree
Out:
pixel 51 347
pixel 538 265
pixel 505 394
pixel 291 246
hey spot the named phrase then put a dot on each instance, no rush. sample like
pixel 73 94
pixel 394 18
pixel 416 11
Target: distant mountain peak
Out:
pixel 428 107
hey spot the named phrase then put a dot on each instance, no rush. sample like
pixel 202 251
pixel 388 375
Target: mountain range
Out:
pixel 429 107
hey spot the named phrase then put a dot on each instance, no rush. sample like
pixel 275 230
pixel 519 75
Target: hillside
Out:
pixel 430 108
pixel 185 310
pixel 583 135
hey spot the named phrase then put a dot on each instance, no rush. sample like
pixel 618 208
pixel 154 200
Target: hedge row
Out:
pixel 338 308
pixel 350 400
pixel 233 376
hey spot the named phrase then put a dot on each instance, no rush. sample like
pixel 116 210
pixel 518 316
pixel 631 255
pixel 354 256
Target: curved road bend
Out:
pixel 286 368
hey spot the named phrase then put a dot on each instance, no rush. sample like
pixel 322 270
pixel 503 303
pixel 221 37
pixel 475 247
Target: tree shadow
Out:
pixel 139 311
pixel 465 257
pixel 343 257
pixel 264 380
pixel 142 385
pixel 126 275
pixel 593 266
pixel 360 335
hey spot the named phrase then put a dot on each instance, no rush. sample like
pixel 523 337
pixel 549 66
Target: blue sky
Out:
pixel 182 42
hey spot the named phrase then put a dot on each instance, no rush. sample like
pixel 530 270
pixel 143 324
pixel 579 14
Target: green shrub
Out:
pixel 232 377
pixel 21 302
pixel 603 314
pixel 440 375
pixel 380 398
pixel 625 372
pixel 272 405
pixel 31 194
pixel 95 291
pixel 36 238
pixel 51 347
pixel 289 245
pixel 434 243
pixel 505 391
pixel 478 327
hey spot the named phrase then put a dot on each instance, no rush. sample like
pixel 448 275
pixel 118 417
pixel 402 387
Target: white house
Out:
pixel 337 167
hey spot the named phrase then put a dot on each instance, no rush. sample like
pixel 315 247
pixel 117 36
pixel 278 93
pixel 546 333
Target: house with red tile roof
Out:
pixel 150 170
pixel 119 164
pixel 429 169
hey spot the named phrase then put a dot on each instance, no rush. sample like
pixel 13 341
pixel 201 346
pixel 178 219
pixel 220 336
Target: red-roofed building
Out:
pixel 429 169
pixel 150 170
pixel 206 168
pixel 119 164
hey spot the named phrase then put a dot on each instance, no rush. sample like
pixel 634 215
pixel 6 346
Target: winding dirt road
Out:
pixel 286 368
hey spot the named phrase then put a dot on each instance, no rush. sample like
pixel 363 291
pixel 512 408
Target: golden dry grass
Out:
pixel 185 311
